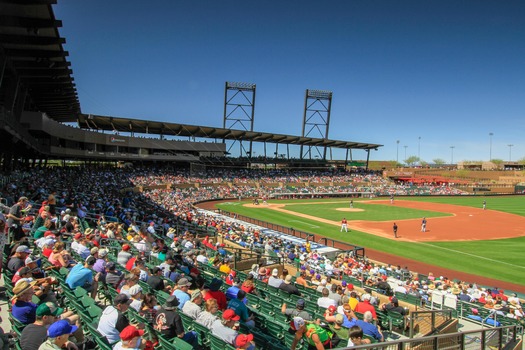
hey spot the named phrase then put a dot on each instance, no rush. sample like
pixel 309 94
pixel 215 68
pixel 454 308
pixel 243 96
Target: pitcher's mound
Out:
pixel 349 209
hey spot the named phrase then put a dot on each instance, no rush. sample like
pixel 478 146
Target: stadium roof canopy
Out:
pixel 90 121
pixel 35 60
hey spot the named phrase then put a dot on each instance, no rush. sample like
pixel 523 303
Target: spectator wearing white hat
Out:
pixel 289 287
pixel 136 297
pixel 274 279
pixel 17 261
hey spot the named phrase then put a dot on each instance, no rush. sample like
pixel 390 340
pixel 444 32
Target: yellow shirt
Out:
pixel 225 268
pixel 353 303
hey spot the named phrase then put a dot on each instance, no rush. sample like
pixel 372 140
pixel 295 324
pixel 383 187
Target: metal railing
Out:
pixel 493 338
pixel 428 321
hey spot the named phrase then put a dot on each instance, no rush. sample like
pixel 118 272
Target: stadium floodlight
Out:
pixel 319 94
pixel 510 152
pixel 240 86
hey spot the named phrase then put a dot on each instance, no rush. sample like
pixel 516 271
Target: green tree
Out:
pixel 497 162
pixel 412 160
pixel 439 161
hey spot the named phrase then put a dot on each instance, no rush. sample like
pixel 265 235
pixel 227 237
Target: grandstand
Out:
pixel 148 210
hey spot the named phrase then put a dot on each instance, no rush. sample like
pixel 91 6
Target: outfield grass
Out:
pixel 498 259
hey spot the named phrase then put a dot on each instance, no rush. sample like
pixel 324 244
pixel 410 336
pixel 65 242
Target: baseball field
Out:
pixel 461 235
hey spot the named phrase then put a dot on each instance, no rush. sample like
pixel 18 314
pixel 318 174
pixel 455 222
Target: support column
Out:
pixel 316 120
pixel 239 112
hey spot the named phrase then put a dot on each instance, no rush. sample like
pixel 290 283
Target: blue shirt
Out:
pixel 24 312
pixel 231 293
pixel 369 329
pixel 348 323
pixel 79 276
pixel 182 296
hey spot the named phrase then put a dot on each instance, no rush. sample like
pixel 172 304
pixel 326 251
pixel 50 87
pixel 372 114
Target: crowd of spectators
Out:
pixel 133 229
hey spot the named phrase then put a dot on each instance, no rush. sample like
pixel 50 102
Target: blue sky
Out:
pixel 448 71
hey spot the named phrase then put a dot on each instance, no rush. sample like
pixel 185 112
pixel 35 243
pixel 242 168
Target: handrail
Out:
pixel 498 338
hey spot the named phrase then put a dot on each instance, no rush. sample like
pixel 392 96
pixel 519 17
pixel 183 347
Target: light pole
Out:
pixel 510 152
pixel 452 154
pixel 490 148
pixel 419 148
pixel 397 152
pixel 405 153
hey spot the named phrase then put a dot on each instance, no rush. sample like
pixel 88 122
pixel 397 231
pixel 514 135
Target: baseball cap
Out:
pixel 59 328
pixel 184 282
pixel 102 252
pixel 48 309
pixel 78 236
pixel 31 259
pixel 229 315
pixel 332 308
pixel 24 270
pixel 300 302
pixel 111 266
pixel 366 297
pixel 122 299
pixel 23 249
pixel 243 339
pixel 275 272
pixel 131 332
pixel 134 290
pixel 94 250
pixel 339 319
pixel 126 247
pixel 91 260
pixel 195 295
pixel 297 323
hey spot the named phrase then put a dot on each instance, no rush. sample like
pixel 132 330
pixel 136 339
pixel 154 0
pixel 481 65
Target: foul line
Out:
pixel 473 255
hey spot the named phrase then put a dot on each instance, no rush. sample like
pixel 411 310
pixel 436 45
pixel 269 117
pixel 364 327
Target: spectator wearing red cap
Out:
pixel 130 338
pixel 124 255
pixel 244 341
pixel 76 239
pixel 227 327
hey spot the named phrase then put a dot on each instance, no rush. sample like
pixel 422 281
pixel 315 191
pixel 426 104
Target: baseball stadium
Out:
pixel 133 233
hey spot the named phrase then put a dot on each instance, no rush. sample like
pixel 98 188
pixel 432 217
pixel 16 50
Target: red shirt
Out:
pixel 219 296
pixel 343 221
pixel 364 306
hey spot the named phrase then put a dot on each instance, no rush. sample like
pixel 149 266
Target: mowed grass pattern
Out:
pixel 372 212
pixel 498 259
